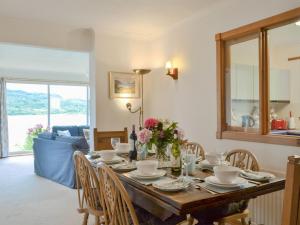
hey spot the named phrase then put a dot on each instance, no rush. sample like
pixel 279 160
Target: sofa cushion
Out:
pixel 78 142
pixel 80 130
pixel 47 135
pixel 64 133
pixel 72 129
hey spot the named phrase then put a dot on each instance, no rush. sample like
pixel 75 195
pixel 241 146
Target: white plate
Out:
pixel 124 167
pixel 154 175
pixel 115 159
pixel 122 151
pixel 171 186
pixel 212 180
pixel 257 176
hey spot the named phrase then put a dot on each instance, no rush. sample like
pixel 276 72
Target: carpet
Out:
pixel 27 199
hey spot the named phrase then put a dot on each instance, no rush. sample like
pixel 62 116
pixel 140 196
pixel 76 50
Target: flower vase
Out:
pixel 143 153
pixel 161 156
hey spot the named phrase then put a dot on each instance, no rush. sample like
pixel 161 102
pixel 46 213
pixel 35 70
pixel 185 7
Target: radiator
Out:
pixel 267 209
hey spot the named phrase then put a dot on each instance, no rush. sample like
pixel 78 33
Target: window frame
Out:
pixel 261 28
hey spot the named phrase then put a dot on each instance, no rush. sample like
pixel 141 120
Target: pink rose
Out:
pixel 144 136
pixel 151 123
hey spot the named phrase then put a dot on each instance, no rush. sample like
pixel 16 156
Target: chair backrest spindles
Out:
pixel 243 159
pixel 291 204
pixel 118 209
pixel 196 148
pixel 89 195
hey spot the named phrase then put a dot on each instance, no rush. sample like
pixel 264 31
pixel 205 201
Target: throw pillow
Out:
pixel 65 133
pixel 86 134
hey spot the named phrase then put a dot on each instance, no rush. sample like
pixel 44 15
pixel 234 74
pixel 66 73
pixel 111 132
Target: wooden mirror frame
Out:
pixel 260 27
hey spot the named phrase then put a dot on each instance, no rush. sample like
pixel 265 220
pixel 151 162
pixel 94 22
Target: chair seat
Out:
pixel 234 219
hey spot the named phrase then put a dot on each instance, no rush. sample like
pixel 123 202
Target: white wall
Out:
pixel 192 99
pixel 121 55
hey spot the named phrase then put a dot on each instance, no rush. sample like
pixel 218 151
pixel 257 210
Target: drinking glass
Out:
pixel 114 142
pixel 186 162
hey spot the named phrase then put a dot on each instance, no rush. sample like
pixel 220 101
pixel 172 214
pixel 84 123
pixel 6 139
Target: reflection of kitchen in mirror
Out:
pixel 284 70
pixel 242 84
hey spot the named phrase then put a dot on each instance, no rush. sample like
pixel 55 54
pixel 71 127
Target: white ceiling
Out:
pixel 134 18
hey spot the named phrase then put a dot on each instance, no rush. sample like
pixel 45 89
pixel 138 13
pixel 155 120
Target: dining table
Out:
pixel 195 198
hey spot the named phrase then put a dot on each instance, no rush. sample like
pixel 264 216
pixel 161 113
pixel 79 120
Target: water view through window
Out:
pixel 34 108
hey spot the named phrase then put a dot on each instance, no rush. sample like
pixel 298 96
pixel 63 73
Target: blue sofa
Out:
pixel 53 155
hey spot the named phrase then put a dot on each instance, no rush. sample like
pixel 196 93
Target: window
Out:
pixel 258 76
pixel 34 108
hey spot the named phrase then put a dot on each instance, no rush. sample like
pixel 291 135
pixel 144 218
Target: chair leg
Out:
pixel 97 220
pixel 85 219
pixel 190 220
pixel 243 221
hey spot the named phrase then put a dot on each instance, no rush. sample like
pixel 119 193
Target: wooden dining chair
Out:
pixel 88 189
pixel 196 149
pixel 243 159
pixel 291 203
pixel 102 139
pixel 118 208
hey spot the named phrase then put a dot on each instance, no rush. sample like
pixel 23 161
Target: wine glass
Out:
pixel 114 142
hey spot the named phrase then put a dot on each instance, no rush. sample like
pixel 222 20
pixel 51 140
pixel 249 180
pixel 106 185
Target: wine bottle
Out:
pixel 133 150
pixel 176 156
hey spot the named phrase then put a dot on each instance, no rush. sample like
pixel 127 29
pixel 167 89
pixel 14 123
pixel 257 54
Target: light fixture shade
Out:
pixel 168 65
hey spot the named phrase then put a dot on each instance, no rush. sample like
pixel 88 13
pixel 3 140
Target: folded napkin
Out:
pixel 257 175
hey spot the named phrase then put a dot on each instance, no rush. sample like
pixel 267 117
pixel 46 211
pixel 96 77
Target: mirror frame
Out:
pixel 260 27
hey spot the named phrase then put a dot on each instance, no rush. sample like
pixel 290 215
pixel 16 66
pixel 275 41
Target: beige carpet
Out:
pixel 26 199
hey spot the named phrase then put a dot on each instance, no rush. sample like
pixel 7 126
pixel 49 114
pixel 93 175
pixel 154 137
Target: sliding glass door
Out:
pixel 68 105
pixel 34 108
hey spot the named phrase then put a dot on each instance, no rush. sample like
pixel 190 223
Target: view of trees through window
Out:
pixel 34 108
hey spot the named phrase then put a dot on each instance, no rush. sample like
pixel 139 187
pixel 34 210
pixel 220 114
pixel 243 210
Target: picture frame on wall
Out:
pixel 124 85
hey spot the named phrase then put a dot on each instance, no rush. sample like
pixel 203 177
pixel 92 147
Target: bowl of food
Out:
pixel 226 174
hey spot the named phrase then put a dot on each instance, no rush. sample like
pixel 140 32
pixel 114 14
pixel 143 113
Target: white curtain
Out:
pixel 3 120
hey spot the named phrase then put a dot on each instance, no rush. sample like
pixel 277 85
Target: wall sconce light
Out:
pixel 141 72
pixel 172 71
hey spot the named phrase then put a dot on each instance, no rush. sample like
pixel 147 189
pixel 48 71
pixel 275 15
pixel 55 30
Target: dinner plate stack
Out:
pixel 238 182
pixel 154 175
pixel 123 167
pixel 114 160
pixel 205 165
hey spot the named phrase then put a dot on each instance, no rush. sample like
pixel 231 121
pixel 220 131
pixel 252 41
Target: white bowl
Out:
pixel 147 167
pixel 213 158
pixel 107 155
pixel 123 147
pixel 226 174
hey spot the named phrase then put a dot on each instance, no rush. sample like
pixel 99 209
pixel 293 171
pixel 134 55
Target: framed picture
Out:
pixel 124 85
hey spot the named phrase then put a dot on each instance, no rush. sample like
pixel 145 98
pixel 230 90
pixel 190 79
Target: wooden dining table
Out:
pixel 164 204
